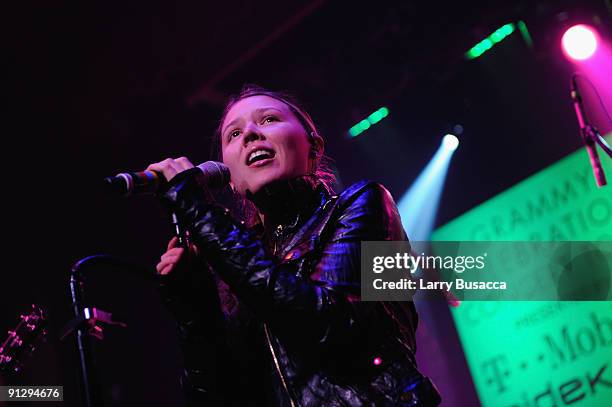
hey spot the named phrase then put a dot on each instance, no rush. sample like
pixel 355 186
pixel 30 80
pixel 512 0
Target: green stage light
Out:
pixel 354 131
pixel 368 122
pixel 525 33
pixel 486 44
pixel 375 117
pixel 473 53
pixel 497 37
pixel 508 29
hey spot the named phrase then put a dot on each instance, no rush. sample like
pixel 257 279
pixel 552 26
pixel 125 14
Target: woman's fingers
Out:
pixel 169 260
pixel 166 167
pixel 173 256
pixel 171 166
pixel 167 269
pixel 183 163
pixel 172 243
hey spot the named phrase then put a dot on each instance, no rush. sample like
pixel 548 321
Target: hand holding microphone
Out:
pixel 210 174
pixel 171 166
pixel 155 178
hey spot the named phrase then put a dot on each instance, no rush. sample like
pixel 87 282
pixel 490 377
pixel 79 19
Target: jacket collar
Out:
pixel 288 203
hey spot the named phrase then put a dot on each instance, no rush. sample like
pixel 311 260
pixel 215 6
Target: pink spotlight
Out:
pixel 579 42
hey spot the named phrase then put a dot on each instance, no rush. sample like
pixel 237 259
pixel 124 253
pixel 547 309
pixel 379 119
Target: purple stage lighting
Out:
pixel 579 42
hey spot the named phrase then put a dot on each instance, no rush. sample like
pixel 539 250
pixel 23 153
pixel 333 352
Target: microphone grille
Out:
pixel 215 174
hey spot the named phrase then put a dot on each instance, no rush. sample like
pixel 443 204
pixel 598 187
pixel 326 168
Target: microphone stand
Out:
pixel 85 325
pixel 590 136
pixel 90 391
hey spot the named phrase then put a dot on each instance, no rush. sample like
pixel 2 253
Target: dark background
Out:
pixel 95 88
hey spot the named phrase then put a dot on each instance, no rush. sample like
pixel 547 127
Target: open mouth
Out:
pixel 259 155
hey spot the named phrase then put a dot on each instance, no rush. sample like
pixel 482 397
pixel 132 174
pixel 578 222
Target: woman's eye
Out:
pixel 269 119
pixel 234 133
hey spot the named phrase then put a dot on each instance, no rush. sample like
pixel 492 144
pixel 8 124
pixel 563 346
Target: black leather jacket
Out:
pixel 291 330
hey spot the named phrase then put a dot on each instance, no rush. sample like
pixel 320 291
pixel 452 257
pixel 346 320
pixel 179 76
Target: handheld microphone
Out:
pixel 211 174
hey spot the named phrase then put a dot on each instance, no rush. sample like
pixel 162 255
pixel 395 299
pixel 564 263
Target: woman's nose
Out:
pixel 252 133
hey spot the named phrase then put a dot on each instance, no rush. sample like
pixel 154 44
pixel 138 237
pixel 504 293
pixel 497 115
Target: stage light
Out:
pixel 418 207
pixel 522 27
pixel 375 117
pixel 368 122
pixel 384 111
pixel 450 142
pixel 579 42
pixel 486 44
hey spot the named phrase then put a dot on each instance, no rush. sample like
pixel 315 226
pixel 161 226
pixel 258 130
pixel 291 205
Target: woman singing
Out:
pixel 268 308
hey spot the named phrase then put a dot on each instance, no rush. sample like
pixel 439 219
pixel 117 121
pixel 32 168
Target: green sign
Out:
pixel 540 353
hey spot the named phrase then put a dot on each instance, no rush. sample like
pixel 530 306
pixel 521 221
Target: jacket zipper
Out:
pixel 277 234
pixel 277 365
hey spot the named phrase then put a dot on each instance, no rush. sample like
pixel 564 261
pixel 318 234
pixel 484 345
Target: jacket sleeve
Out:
pixel 328 300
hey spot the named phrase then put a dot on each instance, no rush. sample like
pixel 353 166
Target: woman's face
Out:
pixel 263 141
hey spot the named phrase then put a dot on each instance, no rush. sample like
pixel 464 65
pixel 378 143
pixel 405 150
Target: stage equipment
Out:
pixel 488 43
pixel 212 174
pixel 86 322
pixel 21 340
pixel 368 122
pixel 450 142
pixel 590 135
pixel 209 174
pixel 419 205
pixel 579 42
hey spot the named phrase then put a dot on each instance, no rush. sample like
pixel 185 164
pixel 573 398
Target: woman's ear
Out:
pixel 318 146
